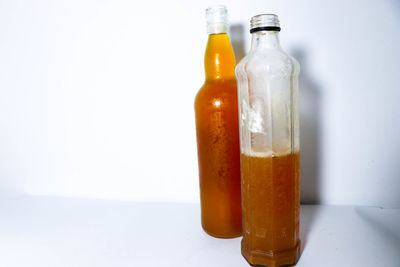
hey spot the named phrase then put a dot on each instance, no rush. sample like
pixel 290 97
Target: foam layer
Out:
pixel 267 154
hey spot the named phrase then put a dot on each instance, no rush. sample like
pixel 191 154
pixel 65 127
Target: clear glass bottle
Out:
pixel 268 96
pixel 217 129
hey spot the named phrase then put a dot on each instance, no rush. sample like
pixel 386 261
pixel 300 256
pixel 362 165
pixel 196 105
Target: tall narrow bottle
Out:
pixel 218 133
pixel 269 138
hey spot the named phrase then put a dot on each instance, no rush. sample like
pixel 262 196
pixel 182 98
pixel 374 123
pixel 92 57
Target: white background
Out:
pixel 96 97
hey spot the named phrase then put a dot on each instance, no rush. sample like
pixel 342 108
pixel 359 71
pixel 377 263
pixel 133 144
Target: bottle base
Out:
pixel 271 259
pixel 225 236
pixel 232 234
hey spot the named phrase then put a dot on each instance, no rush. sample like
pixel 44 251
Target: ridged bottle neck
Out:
pixel 265 39
pixel 219 59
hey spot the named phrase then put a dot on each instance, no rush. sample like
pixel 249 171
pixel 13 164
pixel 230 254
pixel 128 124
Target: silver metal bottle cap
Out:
pixel 264 22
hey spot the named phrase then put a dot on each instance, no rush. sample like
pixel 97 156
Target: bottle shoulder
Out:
pixel 216 90
pixel 215 87
pixel 274 62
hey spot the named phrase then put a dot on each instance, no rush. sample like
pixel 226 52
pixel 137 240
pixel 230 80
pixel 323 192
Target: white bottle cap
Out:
pixel 217 19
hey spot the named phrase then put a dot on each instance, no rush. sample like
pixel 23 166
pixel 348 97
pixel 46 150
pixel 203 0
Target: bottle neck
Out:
pixel 265 39
pixel 219 59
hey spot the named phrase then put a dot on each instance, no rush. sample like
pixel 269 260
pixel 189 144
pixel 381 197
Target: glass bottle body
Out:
pixel 268 97
pixel 218 141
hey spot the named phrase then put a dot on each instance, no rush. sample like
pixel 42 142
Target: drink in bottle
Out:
pixel 218 133
pixel 269 143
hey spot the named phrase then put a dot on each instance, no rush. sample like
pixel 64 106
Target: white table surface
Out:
pixel 50 231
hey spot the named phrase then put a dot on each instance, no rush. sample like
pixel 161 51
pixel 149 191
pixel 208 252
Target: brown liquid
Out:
pixel 271 209
pixel 218 142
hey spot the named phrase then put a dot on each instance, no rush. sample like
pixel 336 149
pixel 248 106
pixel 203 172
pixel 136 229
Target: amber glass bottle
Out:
pixel 218 133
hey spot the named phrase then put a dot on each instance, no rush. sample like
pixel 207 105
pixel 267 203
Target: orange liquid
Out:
pixel 271 209
pixel 217 129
